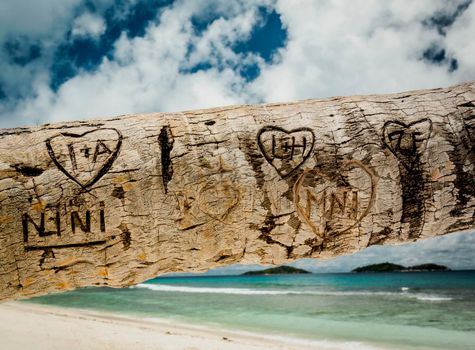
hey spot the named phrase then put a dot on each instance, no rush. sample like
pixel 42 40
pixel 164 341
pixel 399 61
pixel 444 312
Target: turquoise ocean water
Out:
pixel 423 310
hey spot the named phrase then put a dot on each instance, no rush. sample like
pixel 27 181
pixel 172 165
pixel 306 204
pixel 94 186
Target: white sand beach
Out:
pixel 26 326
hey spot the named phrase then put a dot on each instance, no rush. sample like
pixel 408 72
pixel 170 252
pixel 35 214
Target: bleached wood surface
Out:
pixel 117 201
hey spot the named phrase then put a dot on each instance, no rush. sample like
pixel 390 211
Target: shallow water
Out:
pixel 433 310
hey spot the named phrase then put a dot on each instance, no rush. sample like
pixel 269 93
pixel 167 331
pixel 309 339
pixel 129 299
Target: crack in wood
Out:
pixel 166 145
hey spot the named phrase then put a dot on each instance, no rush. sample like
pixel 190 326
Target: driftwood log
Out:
pixel 117 201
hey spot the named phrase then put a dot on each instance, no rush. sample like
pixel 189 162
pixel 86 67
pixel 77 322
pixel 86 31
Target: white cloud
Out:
pixel 360 47
pixel 35 18
pixel 88 25
pixel 461 44
pixel 24 23
pixel 151 73
pixel 333 48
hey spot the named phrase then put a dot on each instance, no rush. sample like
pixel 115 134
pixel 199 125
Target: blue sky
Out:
pixel 74 59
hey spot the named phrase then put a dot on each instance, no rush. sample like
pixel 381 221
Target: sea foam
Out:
pixel 248 291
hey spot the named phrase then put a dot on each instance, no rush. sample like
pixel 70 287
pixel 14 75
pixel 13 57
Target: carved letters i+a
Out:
pixel 85 158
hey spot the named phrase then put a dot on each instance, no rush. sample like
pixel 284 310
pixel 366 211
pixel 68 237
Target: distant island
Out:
pixel 388 267
pixel 280 270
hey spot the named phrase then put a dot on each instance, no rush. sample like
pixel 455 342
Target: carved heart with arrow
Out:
pixel 85 158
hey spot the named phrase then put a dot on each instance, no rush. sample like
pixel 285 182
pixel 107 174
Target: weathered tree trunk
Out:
pixel 114 202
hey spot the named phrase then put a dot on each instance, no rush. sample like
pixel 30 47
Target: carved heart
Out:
pixel 217 199
pixel 334 205
pixel 86 157
pixel 285 150
pixel 407 141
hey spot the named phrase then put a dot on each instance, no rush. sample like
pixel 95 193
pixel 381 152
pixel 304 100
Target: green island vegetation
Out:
pixel 388 267
pixel 279 270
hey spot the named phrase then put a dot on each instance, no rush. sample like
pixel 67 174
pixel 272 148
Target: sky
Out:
pixel 77 59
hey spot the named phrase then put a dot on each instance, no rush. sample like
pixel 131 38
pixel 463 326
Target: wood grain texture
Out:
pixel 117 201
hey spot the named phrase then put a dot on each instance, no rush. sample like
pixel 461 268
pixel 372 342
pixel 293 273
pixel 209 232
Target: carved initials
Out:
pixel 333 205
pixel 42 229
pixel 285 150
pixel 72 154
pixel 327 206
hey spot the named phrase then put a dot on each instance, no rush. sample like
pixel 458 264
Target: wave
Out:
pixel 432 298
pixel 248 291
pixel 423 297
pixel 205 290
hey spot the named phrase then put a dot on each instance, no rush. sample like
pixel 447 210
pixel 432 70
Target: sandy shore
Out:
pixel 26 326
